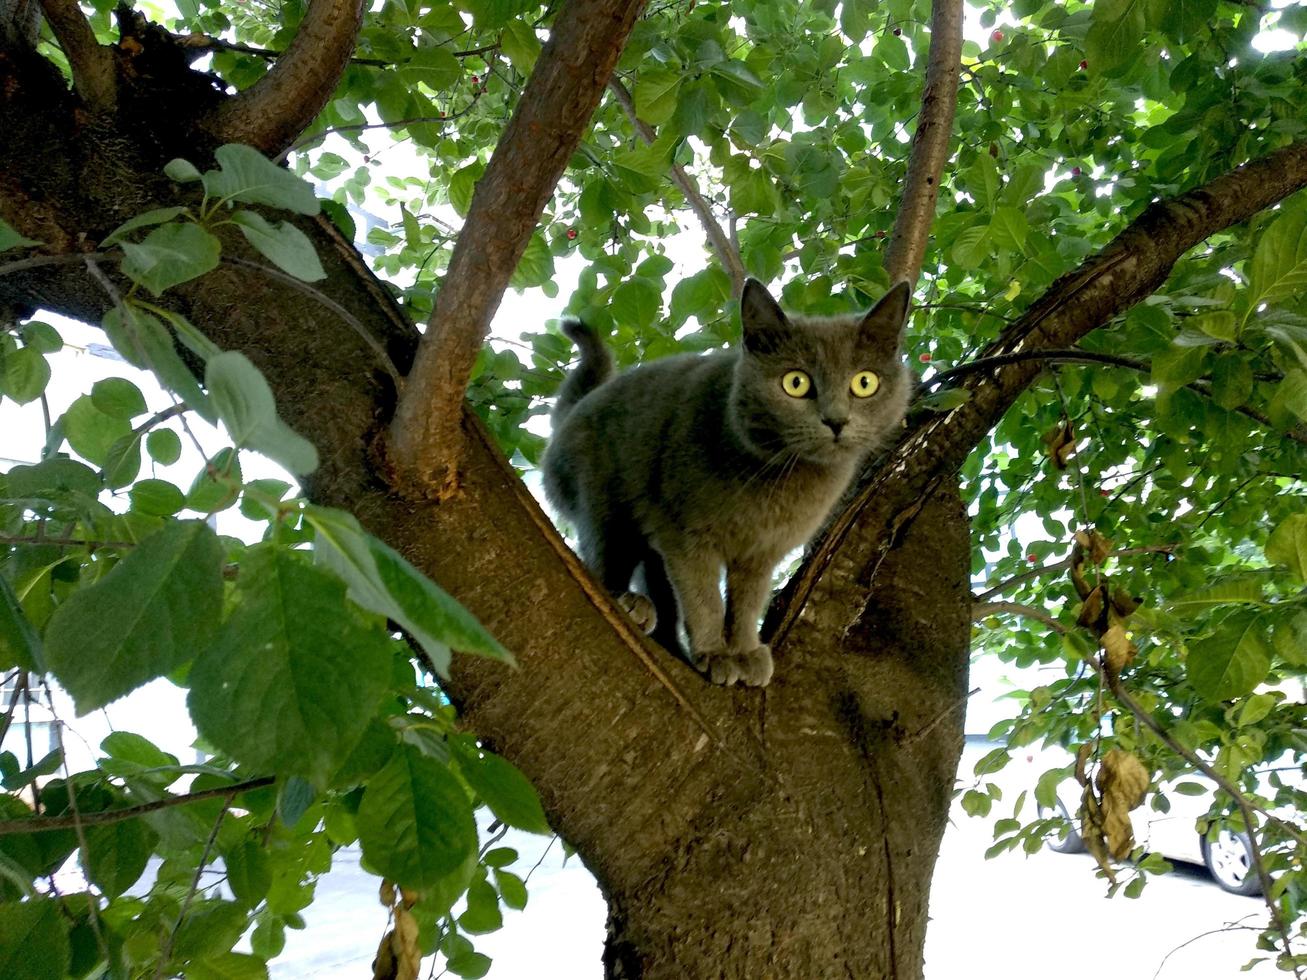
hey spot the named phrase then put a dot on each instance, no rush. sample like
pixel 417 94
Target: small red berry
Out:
pixel 571 234
pixel 1075 171
pixel 924 358
pixel 898 32
pixel 476 80
pixel 1032 558
pixel 1104 492
pixel 880 234
pixel 440 115
pixel 1084 65
pixel 996 37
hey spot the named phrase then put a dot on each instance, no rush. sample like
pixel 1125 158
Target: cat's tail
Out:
pixel 595 368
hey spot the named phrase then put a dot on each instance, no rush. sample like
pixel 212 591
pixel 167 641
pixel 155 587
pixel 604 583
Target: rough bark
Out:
pixel 565 86
pixel 91 63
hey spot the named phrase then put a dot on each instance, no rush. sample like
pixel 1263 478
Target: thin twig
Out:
pixel 727 253
pixel 166 953
pixel 980 610
pixel 350 319
pixel 65 542
pixel 27 825
pixel 1065 563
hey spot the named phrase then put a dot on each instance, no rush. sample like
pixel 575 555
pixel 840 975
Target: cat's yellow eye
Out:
pixel 796 383
pixel 864 384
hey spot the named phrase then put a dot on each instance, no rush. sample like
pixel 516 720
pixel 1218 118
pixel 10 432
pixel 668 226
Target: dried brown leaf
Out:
pixel 1099 548
pixel 1082 763
pixel 1122 782
pixel 1091 612
pixel 1123 602
pixel 1118 648
pixel 1060 443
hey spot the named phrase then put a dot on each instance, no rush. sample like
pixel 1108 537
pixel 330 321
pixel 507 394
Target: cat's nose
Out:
pixel 836 426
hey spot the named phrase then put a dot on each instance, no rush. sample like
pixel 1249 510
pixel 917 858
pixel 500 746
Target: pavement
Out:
pixel 1016 917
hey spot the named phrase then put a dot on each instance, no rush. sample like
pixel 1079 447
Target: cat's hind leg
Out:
pixel 612 551
pixel 651 579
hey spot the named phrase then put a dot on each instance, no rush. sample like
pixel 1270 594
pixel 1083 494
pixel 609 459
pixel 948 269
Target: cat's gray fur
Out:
pixel 690 465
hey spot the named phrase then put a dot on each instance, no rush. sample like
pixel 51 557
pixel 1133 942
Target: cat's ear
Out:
pixel 764 322
pixel 887 318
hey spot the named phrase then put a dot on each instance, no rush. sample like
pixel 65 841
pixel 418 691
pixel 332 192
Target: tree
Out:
pixel 1114 272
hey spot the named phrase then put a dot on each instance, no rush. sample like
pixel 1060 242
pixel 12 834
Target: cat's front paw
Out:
pixel 755 666
pixel 718 666
pixel 641 610
pixel 752 668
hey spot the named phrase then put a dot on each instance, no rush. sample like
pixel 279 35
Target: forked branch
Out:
pixel 426 438
pixel 1131 267
pixel 930 142
pixel 277 108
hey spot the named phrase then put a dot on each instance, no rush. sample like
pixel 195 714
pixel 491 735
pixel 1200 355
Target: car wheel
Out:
pixel 1071 843
pixel 1229 858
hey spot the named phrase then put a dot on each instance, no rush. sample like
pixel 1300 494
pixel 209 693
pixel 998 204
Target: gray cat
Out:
pixel 688 465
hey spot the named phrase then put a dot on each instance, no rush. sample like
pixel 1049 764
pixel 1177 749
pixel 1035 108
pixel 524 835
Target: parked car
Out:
pixel 1174 834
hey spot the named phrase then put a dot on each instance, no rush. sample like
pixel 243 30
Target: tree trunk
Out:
pixel 787 832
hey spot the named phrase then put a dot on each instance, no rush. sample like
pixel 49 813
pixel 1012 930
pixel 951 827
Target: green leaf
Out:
pixel 1287 545
pixel 182 171
pixel 288 247
pixel 26 373
pixel 123 461
pixel 19 645
pixel 33 941
pixel 1243 589
pixel 1115 32
pixel 636 302
pixel 249 872
pixel 655 95
pixel 247 176
pixel 171 255
pixel 116 854
pixel 164 446
pixel 1278 268
pixel 381 580
pixel 144 342
pixel 118 398
pixel 1233 661
pixel 502 787
pixel 294 677
pixel 157 497
pixel 970 247
pixel 218 485
pixel 244 402
pixel 1009 228
pixel 511 889
pixel 42 336
pixel 227 966
pixel 151 613
pixel 12 239
pixel 482 914
pixel 90 431
pixel 520 45
pixel 415 822
pixel 434 66
pixel 469 964
pixel 155 216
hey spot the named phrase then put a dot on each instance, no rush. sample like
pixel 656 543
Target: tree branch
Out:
pixel 426 440
pixel 1298 433
pixel 725 250
pixel 912 224
pixel 1063 565
pixel 981 610
pixel 32 825
pixel 90 61
pixel 1129 268
pixel 277 108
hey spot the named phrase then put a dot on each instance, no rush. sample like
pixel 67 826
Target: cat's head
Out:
pixel 825 389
